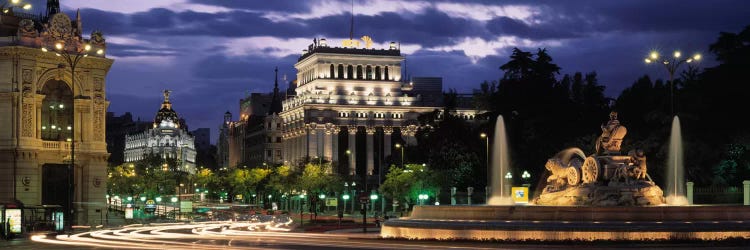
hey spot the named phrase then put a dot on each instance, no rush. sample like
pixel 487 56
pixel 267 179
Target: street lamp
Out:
pixel 25 6
pixel 422 198
pixel 671 64
pixel 525 176
pixel 349 157
pixel 72 52
pixel 486 155
pixel 399 146
pixel 158 200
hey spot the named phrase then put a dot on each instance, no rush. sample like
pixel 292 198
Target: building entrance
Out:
pixel 57 187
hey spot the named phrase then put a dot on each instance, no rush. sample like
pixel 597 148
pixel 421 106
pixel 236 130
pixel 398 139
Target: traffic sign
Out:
pixel 150 206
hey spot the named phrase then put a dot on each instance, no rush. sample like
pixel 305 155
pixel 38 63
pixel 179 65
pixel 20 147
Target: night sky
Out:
pixel 211 53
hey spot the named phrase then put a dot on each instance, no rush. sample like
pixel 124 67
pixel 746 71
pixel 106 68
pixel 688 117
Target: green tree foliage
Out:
pixel 544 115
pixel 318 178
pixel 245 181
pixel 405 184
pixel 152 176
pixel 283 179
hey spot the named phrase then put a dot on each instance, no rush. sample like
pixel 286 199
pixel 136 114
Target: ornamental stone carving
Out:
pixel 98 84
pixel 387 130
pixel 98 124
pixel 26 29
pixel 26 77
pixel 605 178
pixel 370 130
pixel 59 26
pixel 97 38
pixel 329 128
pixel 27 122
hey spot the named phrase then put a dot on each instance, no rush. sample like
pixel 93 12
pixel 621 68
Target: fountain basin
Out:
pixel 562 223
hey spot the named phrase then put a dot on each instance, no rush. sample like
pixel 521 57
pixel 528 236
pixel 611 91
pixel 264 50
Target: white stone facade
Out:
pixel 350 93
pixel 168 138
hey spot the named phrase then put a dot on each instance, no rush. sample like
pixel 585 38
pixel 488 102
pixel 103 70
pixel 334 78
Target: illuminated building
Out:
pixel 52 130
pixel 168 138
pixel 354 99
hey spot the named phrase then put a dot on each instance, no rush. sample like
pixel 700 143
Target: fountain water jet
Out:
pixel 675 167
pixel 500 163
pixel 600 197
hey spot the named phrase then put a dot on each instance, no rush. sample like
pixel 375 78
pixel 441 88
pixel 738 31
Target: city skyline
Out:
pixel 212 53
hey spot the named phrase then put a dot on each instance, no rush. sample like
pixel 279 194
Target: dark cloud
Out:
pixel 294 6
pixel 610 37
pixel 260 68
pixel 120 50
pixel 515 27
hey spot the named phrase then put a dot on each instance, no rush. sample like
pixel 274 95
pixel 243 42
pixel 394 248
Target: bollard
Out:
pixel 689 192
pixel 746 193
pixel 453 196
pixel 469 191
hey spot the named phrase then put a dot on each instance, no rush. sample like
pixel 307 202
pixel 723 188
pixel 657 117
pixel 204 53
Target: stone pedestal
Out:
pixel 641 193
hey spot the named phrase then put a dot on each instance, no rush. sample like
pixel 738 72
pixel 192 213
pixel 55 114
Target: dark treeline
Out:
pixel 546 111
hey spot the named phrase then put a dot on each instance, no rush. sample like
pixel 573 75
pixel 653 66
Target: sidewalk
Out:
pixel 372 233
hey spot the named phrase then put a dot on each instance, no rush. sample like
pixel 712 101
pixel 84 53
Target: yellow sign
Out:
pixel 332 202
pixel 368 41
pixel 520 194
pixel 350 43
pixel 355 43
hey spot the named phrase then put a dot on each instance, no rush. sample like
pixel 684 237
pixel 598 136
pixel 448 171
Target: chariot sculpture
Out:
pixel 626 174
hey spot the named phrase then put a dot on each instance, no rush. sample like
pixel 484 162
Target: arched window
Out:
pixel 341 71
pixel 57 112
pixel 359 72
pixel 350 72
pixel 368 71
pixel 386 74
pixel 332 72
pixel 377 73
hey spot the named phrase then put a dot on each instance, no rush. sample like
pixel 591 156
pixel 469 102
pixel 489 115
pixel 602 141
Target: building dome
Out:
pixel 166 116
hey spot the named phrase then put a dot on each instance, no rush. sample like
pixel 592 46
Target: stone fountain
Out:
pixel 605 196
pixel 605 178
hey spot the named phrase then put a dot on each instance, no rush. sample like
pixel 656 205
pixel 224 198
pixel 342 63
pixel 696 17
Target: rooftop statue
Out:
pixel 605 178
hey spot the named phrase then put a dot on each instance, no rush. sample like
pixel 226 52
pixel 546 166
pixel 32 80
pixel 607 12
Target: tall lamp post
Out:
pixel 671 64
pixel 486 155
pixel 72 53
pixel 349 157
pixel 399 146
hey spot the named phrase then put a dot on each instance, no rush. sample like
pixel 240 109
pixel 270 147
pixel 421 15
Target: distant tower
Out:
pixel 276 99
pixel 227 118
pixel 53 7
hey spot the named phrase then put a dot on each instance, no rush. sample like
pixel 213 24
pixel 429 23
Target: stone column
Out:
pixel 292 146
pixel 320 135
pixel 328 142
pixel 689 192
pixel 387 132
pixel 335 144
pixel 409 132
pixel 300 139
pixel 746 192
pixel 370 150
pixel 312 142
pixel 352 150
